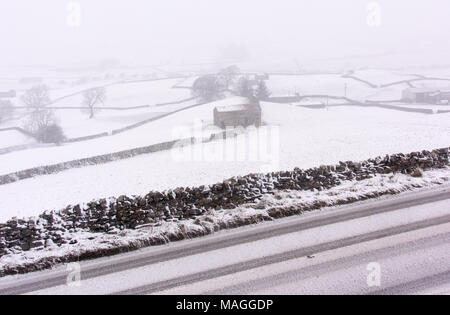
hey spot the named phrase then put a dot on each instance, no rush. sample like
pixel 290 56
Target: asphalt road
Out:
pixel 406 236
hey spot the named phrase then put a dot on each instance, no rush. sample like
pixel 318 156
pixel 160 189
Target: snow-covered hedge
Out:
pixel 125 212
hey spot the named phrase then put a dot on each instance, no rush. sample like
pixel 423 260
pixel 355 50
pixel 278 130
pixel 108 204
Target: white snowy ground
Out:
pixel 381 77
pixel 325 84
pixel 433 107
pixel 76 122
pixel 135 94
pixel 333 196
pixel 154 132
pixel 301 138
pixel 13 138
pixel 433 84
pixel 390 93
pixel 435 72
pixel 336 85
pixel 326 132
pixel 64 81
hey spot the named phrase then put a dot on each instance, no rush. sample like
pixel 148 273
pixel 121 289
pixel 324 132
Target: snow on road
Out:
pixel 276 245
pixel 324 274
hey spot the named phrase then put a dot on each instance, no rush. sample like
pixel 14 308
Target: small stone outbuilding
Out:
pixel 8 94
pixel 421 95
pixel 245 115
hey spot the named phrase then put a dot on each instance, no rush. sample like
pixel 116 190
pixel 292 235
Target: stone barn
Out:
pixel 262 77
pixel 238 115
pixel 445 97
pixel 421 95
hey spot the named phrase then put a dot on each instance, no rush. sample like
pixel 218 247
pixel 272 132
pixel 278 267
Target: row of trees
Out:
pixel 37 98
pixel 248 88
pixel 41 121
pixel 214 86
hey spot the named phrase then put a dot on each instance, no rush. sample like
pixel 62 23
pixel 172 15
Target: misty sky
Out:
pixel 189 31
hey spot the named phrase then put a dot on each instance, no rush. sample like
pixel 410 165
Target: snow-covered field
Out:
pixel 336 85
pixel 120 93
pixel 436 72
pixel 134 94
pixel 433 84
pixel 154 132
pixel 324 84
pixel 300 137
pixel 64 81
pixel 433 107
pixel 76 122
pixel 381 77
pixel 13 138
pixel 307 138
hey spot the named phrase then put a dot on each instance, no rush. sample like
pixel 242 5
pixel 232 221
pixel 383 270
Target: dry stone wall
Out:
pixel 131 212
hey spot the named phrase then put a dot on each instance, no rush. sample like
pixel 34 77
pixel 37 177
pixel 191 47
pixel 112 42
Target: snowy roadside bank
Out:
pixel 282 203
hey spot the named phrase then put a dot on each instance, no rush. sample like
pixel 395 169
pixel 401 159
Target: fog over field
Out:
pixel 178 31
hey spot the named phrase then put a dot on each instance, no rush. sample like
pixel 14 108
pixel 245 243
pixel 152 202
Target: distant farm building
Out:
pixel 445 96
pixel 30 80
pixel 238 115
pixel 262 77
pixel 425 95
pixel 8 94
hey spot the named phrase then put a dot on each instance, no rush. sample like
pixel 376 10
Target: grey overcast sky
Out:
pixel 151 32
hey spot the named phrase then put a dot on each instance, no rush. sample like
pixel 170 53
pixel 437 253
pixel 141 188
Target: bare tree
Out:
pixel 42 124
pixel 37 97
pixel 92 97
pixel 244 87
pixel 208 88
pixel 38 120
pixel 229 75
pixel 262 91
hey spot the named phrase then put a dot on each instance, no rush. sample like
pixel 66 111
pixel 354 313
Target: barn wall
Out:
pixel 237 118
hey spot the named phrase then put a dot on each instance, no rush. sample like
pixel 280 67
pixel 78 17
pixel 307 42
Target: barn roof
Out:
pixel 423 90
pixel 235 108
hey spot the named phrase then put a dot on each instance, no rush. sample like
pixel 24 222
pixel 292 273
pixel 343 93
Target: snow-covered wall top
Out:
pixel 124 212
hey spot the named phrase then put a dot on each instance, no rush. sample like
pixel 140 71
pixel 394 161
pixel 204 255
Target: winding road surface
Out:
pixel 395 245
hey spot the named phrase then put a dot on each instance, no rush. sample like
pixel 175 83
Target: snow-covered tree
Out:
pixel 36 97
pixel 208 88
pixel 43 125
pixel 229 75
pixel 245 88
pixel 262 91
pixel 39 119
pixel 92 97
pixel 51 134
